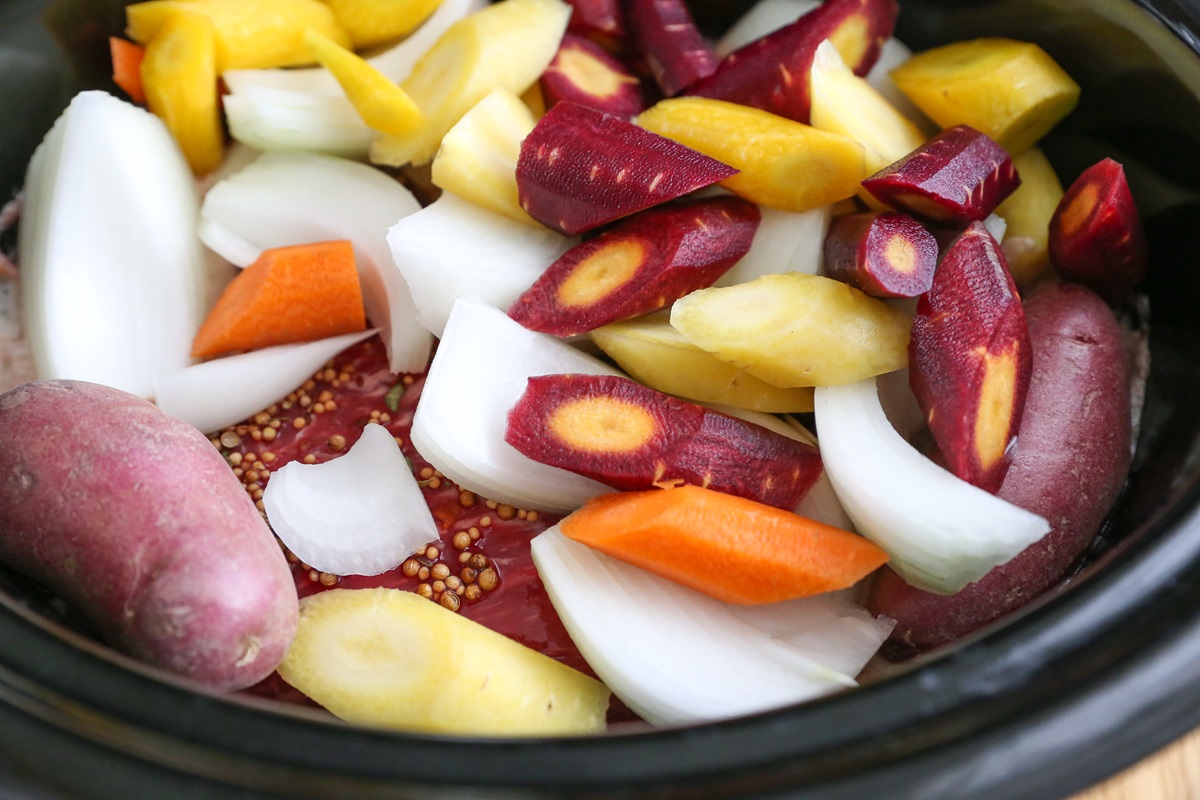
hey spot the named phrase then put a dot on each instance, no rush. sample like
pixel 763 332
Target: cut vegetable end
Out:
pixel 600 274
pixel 994 427
pixel 601 425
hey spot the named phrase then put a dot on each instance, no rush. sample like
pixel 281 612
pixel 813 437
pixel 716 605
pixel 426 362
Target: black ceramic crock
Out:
pixel 1090 679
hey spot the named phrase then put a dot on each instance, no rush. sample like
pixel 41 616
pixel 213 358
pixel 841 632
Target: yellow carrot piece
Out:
pixel 383 105
pixel 179 79
pixel 781 163
pixel 250 34
pixel 372 22
pixel 1011 90
pixel 505 45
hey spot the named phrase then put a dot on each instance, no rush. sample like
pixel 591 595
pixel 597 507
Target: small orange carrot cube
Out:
pixel 290 294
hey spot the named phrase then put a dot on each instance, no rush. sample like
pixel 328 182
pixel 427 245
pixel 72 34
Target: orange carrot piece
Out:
pixel 736 550
pixel 290 294
pixel 127 67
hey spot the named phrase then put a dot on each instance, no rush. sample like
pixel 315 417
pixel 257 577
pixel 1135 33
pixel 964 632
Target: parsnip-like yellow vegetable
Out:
pixel 506 45
pixel 795 329
pixel 383 105
pixel 390 658
pixel 1027 212
pixel 654 353
pixel 478 157
pixel 250 33
pixel 846 104
pixel 782 163
pixel 1013 91
pixel 372 22
pixel 180 80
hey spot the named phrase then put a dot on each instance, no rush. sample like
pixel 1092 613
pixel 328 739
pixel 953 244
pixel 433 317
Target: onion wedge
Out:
pixel 227 390
pixel 453 248
pixel 479 372
pixel 678 657
pixel 785 241
pixel 113 277
pixel 361 513
pixel 941 532
pixel 293 198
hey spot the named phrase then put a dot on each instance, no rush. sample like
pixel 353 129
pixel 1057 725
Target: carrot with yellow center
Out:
pixel 290 294
pixel 736 550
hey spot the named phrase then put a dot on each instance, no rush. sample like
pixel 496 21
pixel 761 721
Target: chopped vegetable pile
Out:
pixel 514 321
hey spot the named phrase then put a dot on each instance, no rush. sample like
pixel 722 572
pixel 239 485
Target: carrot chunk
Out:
pixel 641 264
pixel 885 254
pixel 127 67
pixel 1096 236
pixel 290 294
pixel 631 437
pixel 727 547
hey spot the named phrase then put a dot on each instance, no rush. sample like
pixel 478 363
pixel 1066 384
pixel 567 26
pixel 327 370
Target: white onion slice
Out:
pixel 454 248
pixel 113 278
pixel 225 391
pixel 893 54
pixel 941 532
pixel 292 198
pixel 479 372
pixel 282 119
pixel 763 17
pixel 784 242
pixel 678 657
pixel 361 513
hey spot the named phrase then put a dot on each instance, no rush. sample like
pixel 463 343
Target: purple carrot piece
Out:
pixel 630 437
pixel 581 168
pixel 1096 236
pixel 602 21
pixel 970 359
pixel 641 264
pixel 583 72
pixel 884 254
pixel 957 177
pixel 676 54
pixel 774 72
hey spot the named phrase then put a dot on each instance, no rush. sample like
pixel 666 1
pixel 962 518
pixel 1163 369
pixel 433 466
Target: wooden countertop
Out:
pixel 1171 774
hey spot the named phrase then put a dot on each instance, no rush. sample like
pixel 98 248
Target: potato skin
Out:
pixel 1071 460
pixel 135 519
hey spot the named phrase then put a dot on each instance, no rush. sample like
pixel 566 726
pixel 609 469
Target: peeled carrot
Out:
pixel 290 294
pixel 736 550
pixel 127 67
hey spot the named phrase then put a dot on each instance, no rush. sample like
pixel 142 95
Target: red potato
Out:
pixel 1071 460
pixel 135 519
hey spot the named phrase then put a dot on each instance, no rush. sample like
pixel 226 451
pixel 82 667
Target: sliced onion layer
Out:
pixel 480 370
pixel 784 242
pixel 359 514
pixel 113 277
pixel 453 248
pixel 293 198
pixel 941 532
pixel 227 390
pixel 679 657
